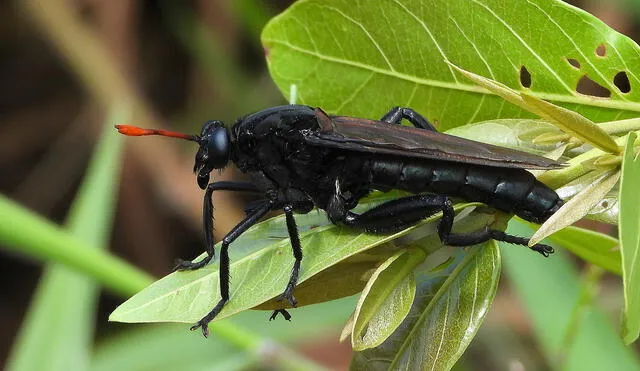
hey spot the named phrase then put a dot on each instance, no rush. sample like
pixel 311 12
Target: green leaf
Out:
pixel 347 329
pixel 569 121
pixel 386 300
pixel 572 123
pixel 257 271
pixel 595 248
pixel 578 206
pixel 629 231
pixel 342 54
pixel 578 166
pixel 57 333
pixel 447 311
pixel 606 210
pixel 550 291
pixel 510 133
pixel 346 278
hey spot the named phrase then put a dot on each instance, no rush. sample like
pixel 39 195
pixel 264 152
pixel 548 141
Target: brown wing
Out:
pixel 363 135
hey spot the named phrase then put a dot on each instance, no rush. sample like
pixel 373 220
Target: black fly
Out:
pixel 298 158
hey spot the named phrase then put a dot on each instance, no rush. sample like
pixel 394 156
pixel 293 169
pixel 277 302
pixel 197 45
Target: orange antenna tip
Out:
pixel 132 130
pixel 135 131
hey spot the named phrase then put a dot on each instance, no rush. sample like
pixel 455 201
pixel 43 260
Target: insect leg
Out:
pixel 284 313
pixel 473 238
pixel 207 217
pixel 404 212
pixel 224 263
pixel 396 114
pixel 292 228
pixel 294 237
pixel 394 215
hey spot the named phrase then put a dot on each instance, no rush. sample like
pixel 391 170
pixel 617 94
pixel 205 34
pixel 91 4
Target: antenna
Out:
pixel 134 131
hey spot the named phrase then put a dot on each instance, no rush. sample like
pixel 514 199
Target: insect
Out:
pixel 298 157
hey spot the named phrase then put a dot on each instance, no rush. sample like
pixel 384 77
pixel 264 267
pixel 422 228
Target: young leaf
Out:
pixel 447 311
pixel 606 211
pixel 630 241
pixel 571 122
pixel 347 329
pixel 577 207
pixel 386 299
pixel 518 134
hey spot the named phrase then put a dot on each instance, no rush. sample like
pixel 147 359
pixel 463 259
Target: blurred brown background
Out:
pixel 183 62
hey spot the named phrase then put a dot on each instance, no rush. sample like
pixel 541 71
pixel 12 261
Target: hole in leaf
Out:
pixel 589 87
pixel 525 77
pixel 601 50
pixel 621 81
pixel 573 62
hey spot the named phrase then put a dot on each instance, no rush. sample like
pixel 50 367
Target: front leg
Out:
pixel 207 218
pixel 249 221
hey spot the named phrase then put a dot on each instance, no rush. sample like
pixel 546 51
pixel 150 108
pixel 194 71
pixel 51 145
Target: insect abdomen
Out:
pixel 507 189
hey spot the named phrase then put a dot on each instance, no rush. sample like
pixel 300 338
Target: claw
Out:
pixel 544 250
pixel 204 326
pixel 181 265
pixel 186 265
pixel 284 313
pixel 204 322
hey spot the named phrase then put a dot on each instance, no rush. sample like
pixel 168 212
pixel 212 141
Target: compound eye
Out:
pixel 219 144
pixel 218 148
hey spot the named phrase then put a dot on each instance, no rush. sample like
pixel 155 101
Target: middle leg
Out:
pixel 207 220
pixel 296 247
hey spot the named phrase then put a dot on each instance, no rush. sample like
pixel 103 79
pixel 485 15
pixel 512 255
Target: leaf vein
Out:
pixel 525 45
pixel 428 31
pixel 475 48
pixel 355 92
pixel 413 94
pixel 475 295
pixel 444 330
pixel 366 32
